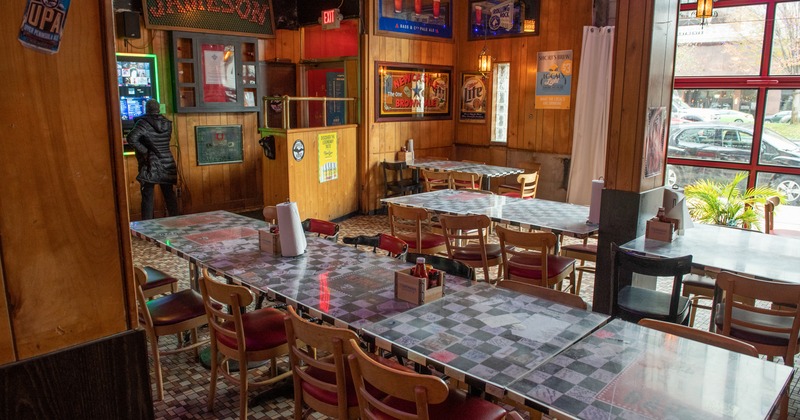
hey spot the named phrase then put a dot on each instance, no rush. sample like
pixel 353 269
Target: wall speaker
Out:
pixel 128 25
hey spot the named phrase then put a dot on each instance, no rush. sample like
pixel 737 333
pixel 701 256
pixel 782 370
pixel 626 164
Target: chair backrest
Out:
pixel 436 180
pixel 330 340
pixel 216 297
pixel 712 339
pixel 407 221
pixel 396 247
pixel 769 213
pixel 627 263
pixel 553 295
pixel 270 214
pixel 141 299
pixel 462 180
pixel 781 319
pixel 449 266
pixel 464 234
pixel 421 390
pixel 529 184
pixel 321 227
pixel 526 246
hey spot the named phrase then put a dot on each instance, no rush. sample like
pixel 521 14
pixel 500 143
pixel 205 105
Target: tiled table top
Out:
pixel 558 217
pixel 486 336
pixel 624 371
pixel 451 201
pixel 718 248
pixel 490 171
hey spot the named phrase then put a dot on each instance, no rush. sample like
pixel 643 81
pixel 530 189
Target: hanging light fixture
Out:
pixel 704 10
pixel 484 59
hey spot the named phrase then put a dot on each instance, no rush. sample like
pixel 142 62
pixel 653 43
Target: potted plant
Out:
pixel 717 203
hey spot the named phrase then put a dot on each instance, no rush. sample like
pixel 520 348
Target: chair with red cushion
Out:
pixel 411 395
pixel 526 188
pixel 467 241
pixel 242 337
pixel 407 224
pixel 582 252
pixel 166 315
pixel 155 282
pixel 433 180
pixel 527 257
pixel 465 180
pixel 396 247
pixel 322 227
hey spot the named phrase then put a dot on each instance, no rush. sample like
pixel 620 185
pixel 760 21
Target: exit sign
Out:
pixel 330 19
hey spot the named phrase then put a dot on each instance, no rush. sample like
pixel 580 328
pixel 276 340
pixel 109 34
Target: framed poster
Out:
pixel 423 19
pixel 553 80
pixel 412 92
pixel 655 140
pixel 502 18
pixel 218 144
pixel 474 97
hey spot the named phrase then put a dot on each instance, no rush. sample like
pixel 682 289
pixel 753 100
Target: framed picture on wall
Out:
pixel 423 19
pixel 474 96
pixel 502 18
pixel 218 144
pixel 408 92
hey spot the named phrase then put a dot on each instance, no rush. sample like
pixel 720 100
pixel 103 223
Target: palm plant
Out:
pixel 718 203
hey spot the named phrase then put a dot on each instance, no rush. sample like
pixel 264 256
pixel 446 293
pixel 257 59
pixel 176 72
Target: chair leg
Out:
pixel 242 389
pixel 212 388
pixel 157 369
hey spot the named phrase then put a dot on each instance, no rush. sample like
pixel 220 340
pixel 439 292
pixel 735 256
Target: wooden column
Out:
pixel 642 84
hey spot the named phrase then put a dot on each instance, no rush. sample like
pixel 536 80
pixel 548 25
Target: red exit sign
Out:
pixel 330 19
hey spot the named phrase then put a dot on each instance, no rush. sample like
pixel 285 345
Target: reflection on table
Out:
pixel 625 371
pixel 484 335
pixel 718 248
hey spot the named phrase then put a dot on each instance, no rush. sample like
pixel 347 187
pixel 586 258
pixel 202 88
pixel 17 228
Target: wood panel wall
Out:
pixel 234 186
pixel 66 260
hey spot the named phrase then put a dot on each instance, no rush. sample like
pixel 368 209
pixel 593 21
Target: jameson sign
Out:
pixel 244 17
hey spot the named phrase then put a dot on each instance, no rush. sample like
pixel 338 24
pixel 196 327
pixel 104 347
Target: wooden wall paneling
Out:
pixel 7 352
pixel 59 179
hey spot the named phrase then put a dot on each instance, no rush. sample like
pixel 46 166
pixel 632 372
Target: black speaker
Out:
pixel 128 25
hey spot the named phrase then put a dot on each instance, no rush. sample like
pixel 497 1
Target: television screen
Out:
pixel 137 77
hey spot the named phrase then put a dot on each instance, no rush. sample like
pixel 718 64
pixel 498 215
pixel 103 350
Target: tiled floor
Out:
pixel 186 381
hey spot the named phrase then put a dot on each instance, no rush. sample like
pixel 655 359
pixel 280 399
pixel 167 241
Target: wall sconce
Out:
pixel 705 10
pixel 484 61
pixel 529 25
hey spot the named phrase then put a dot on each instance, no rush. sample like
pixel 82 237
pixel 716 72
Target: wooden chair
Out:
pixel 155 282
pixel 322 228
pixel 772 331
pixel 558 296
pixel 448 265
pixel 395 247
pixel 407 224
pixel 526 188
pixel 769 219
pixel 467 241
pixel 463 180
pixel 167 315
pixel 411 396
pixel 585 252
pixel 324 385
pixel 394 180
pixel 634 303
pixel 242 337
pixel 432 180
pixel 270 214
pixel 705 337
pixel 527 257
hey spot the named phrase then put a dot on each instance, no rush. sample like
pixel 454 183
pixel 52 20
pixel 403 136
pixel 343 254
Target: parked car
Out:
pixel 779 117
pixel 729 115
pixel 683 111
pixel 732 143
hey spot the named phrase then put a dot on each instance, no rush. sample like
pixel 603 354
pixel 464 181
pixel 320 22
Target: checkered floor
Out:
pixel 186 381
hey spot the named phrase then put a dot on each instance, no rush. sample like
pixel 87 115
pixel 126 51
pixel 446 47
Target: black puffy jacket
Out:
pixel 150 138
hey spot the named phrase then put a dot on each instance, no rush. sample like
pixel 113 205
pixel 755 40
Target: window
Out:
pixel 500 81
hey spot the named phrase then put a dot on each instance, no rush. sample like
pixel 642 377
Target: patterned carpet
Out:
pixel 186 382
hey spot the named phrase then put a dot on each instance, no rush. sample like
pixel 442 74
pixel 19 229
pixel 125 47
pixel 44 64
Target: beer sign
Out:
pixel 43 25
pixel 474 97
pixel 412 92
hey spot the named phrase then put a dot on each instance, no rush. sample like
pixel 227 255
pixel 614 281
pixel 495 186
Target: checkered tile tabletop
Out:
pixel 451 201
pixel 486 336
pixel 558 217
pixel 438 165
pixel 342 285
pixel 490 170
pixel 624 371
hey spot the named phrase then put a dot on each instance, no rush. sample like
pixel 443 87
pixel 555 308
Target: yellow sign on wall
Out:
pixel 328 157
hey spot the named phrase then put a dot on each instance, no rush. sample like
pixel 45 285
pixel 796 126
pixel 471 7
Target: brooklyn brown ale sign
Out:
pixel 230 17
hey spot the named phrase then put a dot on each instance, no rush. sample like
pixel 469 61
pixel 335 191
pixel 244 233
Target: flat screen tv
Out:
pixel 137 77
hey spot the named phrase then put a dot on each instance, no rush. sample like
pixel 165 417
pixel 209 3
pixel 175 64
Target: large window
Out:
pixel 736 103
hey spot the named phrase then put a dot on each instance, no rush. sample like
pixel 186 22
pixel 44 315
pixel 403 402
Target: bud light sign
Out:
pixel 43 24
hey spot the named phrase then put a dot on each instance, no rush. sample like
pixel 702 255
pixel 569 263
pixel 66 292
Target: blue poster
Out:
pixel 416 17
pixel 43 25
pixel 554 80
pixel 335 89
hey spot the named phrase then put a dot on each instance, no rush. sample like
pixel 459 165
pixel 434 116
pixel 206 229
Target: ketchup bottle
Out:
pixel 420 270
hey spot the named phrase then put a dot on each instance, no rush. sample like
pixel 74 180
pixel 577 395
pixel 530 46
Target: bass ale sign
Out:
pixel 243 17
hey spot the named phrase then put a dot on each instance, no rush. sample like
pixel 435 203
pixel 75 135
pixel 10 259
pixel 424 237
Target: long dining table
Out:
pixel 557 217
pixel 507 344
pixel 487 171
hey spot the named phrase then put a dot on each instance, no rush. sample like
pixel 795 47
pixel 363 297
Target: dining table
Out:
pixel 626 371
pixel 487 171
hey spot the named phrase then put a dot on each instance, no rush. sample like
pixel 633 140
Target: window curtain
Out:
pixel 591 113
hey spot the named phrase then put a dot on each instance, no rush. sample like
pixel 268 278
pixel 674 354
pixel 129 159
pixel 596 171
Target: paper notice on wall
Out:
pixel 43 25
